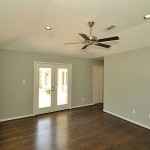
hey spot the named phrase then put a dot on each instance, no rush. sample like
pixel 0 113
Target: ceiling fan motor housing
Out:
pixel 92 39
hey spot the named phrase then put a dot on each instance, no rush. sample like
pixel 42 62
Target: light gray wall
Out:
pixel 127 84
pixel 16 99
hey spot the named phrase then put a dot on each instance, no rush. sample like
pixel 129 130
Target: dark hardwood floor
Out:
pixel 86 128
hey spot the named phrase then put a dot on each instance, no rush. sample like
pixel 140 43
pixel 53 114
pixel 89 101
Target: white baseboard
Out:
pixel 25 116
pixel 81 106
pixel 139 124
pixel 13 118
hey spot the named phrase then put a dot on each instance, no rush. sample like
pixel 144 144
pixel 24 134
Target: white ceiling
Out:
pixel 22 24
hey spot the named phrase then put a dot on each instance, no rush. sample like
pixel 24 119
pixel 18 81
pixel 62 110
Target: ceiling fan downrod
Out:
pixel 92 38
pixel 90 24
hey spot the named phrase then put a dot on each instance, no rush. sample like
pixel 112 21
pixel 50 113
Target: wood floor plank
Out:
pixel 87 128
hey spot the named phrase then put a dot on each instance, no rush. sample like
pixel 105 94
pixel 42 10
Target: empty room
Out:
pixel 74 75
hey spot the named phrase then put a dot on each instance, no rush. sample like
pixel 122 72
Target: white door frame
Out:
pixel 34 85
pixel 94 80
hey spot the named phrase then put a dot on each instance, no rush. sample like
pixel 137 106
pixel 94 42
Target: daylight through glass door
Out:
pixel 62 86
pixel 44 87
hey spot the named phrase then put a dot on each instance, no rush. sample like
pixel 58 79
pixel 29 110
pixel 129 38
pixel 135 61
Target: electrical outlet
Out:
pixel 149 115
pixel 133 111
pixel 82 98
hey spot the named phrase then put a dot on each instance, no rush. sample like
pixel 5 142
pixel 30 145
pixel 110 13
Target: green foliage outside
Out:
pixel 47 90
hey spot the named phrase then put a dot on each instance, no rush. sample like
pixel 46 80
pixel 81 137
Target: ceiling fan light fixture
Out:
pixel 48 28
pixel 147 17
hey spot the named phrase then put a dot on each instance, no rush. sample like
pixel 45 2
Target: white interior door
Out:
pixel 52 87
pixel 97 84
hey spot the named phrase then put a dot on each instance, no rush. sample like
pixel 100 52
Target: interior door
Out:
pixel 97 84
pixel 52 87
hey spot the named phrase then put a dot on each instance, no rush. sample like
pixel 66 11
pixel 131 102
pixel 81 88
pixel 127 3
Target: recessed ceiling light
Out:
pixel 147 17
pixel 48 28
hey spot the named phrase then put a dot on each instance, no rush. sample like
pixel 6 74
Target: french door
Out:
pixel 52 87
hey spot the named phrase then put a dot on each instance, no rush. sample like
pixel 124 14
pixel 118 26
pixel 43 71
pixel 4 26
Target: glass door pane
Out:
pixel 62 86
pixel 44 87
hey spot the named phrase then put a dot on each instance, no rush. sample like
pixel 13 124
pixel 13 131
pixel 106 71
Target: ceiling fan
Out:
pixel 92 40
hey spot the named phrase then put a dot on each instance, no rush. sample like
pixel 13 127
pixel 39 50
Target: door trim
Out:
pixel 34 85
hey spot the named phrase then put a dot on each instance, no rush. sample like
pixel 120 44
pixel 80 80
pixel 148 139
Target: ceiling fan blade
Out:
pixel 84 36
pixel 75 43
pixel 108 39
pixel 85 47
pixel 103 45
